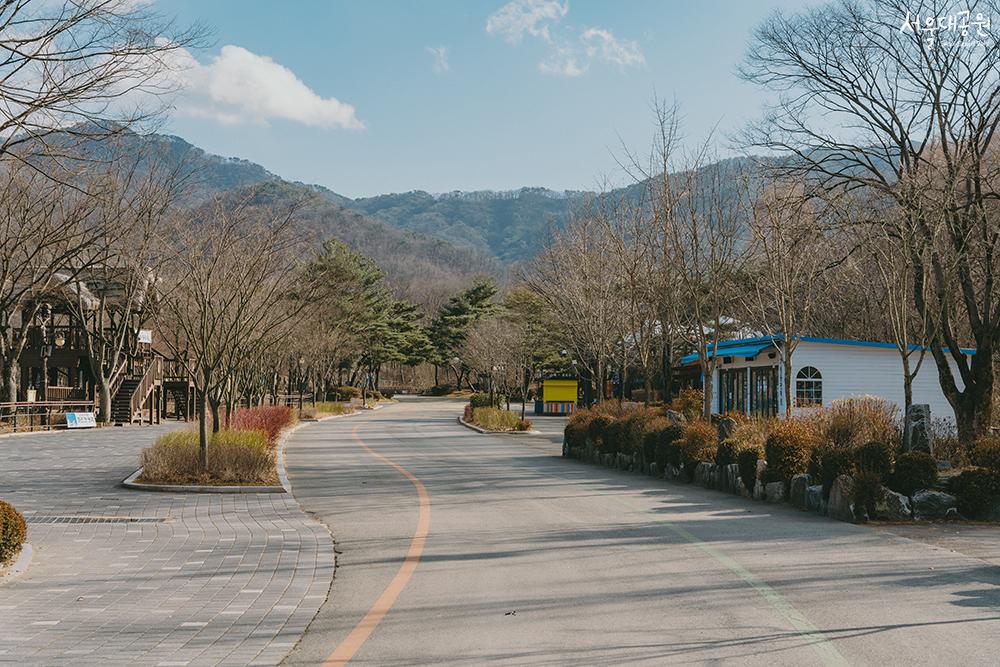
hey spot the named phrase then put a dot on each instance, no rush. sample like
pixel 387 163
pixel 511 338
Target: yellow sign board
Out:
pixel 559 391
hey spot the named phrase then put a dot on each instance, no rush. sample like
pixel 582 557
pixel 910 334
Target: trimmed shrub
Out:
pixel 747 460
pixel 986 452
pixel 976 490
pixel 667 447
pixel 13 531
pixel 726 452
pixel 346 393
pixel 440 390
pixel 828 461
pixel 596 430
pixel 689 403
pixel 575 434
pixel 268 419
pixel 496 419
pixel 914 471
pixel 698 443
pixel 867 484
pixel 874 457
pixel 787 449
pixel 652 434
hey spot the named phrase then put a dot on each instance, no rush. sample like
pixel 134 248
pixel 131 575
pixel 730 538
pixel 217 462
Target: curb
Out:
pixel 478 429
pixel 130 483
pixel 18 567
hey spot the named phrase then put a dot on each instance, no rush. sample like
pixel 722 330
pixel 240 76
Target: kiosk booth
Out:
pixel 559 394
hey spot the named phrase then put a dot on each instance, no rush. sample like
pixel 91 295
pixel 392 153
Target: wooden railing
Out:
pixel 153 375
pixel 38 415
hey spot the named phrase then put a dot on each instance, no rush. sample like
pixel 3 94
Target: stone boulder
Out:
pixel 703 474
pixel 654 470
pixel 934 505
pixel 797 491
pixel 891 506
pixel 814 499
pixel 672 472
pixel 725 426
pixel 840 506
pixel 774 492
pixel 675 417
pixel 758 490
pixel 917 429
pixel 733 478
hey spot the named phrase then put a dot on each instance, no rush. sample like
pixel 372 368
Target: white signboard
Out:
pixel 146 336
pixel 80 420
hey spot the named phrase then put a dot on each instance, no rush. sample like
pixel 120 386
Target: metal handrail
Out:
pixel 27 411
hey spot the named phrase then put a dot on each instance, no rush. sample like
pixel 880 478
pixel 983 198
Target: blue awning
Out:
pixel 746 351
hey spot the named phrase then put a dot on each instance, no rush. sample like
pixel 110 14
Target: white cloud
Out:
pixel 563 60
pixel 440 54
pixel 239 86
pixel 515 19
pixel 569 54
pixel 601 44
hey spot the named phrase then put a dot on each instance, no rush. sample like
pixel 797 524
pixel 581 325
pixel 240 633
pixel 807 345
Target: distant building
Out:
pixel 750 375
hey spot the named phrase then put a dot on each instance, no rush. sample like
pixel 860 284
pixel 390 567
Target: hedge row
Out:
pixel 858 437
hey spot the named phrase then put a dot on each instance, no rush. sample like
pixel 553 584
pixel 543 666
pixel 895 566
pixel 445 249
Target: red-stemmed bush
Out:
pixel 268 419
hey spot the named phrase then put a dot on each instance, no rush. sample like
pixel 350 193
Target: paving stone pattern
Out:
pixel 137 577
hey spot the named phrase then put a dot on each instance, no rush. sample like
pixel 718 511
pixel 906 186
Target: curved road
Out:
pixel 533 559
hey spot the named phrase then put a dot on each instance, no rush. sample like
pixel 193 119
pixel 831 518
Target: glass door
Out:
pixel 764 391
pixel 732 390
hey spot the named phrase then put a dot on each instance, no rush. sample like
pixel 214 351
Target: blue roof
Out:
pixel 750 347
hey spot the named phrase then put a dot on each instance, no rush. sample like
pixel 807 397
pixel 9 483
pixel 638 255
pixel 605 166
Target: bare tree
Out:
pixel 869 102
pixel 787 259
pixel 228 291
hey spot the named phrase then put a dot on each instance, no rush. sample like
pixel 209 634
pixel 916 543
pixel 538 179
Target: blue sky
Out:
pixel 355 95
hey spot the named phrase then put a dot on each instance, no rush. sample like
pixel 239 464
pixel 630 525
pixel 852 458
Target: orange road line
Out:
pixel 353 642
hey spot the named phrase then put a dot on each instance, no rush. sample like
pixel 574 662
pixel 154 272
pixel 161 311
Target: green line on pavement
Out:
pixel 821 644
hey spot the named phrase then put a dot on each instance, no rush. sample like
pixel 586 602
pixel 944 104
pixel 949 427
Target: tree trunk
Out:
pixel 787 381
pixel 907 383
pixel 214 402
pixel 104 390
pixel 706 387
pixel 203 431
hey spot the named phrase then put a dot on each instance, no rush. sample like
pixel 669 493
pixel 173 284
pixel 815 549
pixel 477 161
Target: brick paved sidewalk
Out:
pixel 151 578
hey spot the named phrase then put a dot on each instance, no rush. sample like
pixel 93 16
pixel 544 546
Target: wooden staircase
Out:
pixel 136 394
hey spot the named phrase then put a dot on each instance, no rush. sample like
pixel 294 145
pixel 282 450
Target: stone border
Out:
pixel 19 566
pixel 130 483
pixel 479 429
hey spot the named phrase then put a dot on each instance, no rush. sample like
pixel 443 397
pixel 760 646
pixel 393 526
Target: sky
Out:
pixel 369 98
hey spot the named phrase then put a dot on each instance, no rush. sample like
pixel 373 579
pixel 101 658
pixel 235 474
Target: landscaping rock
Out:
pixel 726 426
pixel 672 472
pixel 733 478
pixel 654 470
pixel 934 505
pixel 841 503
pixel 917 429
pixel 758 490
pixel 702 473
pixel 797 491
pixel 774 492
pixel 891 506
pixel 814 499
pixel 675 417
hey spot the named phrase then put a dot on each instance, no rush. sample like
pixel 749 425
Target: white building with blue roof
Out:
pixel 750 375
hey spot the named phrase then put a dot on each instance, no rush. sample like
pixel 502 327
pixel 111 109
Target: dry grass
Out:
pixel 495 419
pixel 234 457
pixel 327 409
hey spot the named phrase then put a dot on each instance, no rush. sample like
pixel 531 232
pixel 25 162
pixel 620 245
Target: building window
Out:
pixel 808 387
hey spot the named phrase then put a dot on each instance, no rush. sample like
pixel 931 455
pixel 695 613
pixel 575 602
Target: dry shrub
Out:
pixel 326 408
pixel 914 471
pixel 850 422
pixel 698 443
pixel 268 419
pixel 13 531
pixel 234 457
pixel 947 446
pixel 788 448
pixel 747 460
pixel 976 490
pixel 497 419
pixel 689 402
pixel 867 485
pixel 986 451
pixel 749 433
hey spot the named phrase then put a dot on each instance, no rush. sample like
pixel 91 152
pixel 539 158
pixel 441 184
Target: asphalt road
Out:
pixel 533 559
